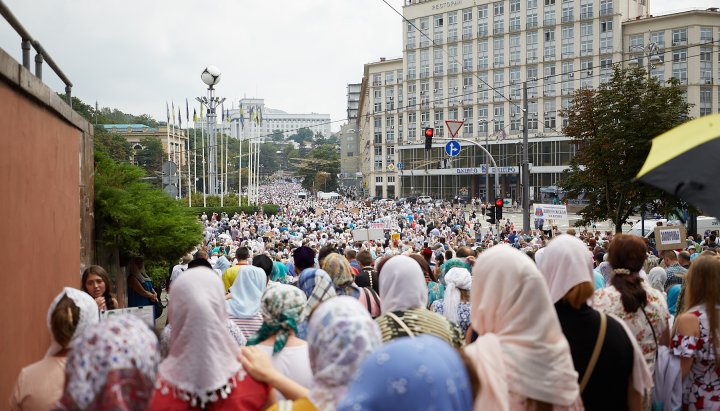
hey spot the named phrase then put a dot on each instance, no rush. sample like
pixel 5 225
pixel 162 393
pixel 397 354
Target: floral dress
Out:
pixel 701 388
pixel 608 301
pixel 463 313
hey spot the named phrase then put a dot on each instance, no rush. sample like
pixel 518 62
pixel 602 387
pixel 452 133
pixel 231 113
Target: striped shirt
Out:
pixel 248 326
pixel 420 321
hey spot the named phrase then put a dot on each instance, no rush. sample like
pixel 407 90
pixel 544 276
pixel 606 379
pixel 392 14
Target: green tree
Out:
pixel 319 169
pixel 302 136
pixel 277 136
pixel 137 219
pixel 113 144
pixel 612 129
pixel 150 158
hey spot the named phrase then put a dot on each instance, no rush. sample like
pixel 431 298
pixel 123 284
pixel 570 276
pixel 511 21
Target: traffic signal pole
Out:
pixel 525 165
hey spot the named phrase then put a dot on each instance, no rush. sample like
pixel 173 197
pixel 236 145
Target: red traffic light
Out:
pixel 429 132
pixel 499 202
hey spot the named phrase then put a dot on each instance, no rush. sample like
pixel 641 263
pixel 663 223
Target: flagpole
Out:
pixel 220 150
pixel 167 129
pixel 189 175
pixel 227 145
pixel 194 152
pixel 179 162
pixel 239 163
pixel 204 174
pixel 250 162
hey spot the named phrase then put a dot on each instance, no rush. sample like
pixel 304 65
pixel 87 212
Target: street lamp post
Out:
pixel 651 53
pixel 211 77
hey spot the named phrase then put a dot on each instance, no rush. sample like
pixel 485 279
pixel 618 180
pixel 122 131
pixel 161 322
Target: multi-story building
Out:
pixel 687 46
pixel 467 61
pixel 380 121
pixel 135 133
pixel 266 120
pixel 350 141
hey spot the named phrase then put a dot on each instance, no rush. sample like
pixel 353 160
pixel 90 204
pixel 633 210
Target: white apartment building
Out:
pixel 272 119
pixel 466 60
pixel 380 123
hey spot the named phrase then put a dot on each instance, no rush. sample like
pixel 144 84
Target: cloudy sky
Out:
pixel 298 55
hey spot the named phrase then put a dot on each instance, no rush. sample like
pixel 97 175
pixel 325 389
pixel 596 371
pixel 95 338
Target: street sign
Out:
pixel 400 166
pixel 452 148
pixel 391 167
pixel 454 126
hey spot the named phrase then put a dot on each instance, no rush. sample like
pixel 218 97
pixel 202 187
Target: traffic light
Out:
pixel 429 132
pixel 491 214
pixel 499 208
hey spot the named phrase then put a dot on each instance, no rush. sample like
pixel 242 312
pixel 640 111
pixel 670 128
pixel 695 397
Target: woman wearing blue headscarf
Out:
pixel 412 374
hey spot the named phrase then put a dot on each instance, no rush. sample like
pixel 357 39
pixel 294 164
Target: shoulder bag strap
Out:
pixel 402 324
pixel 596 352
pixel 657 346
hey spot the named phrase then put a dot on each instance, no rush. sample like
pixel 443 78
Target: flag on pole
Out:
pixel 173 112
pixel 504 136
pixel 261 117
pixel 228 116
pixel 222 110
pixel 194 116
pixel 242 117
pixel 201 111
pixel 187 111
pixel 180 117
pixel 167 109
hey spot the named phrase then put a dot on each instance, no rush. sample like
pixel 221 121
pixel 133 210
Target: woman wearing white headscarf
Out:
pixel 619 365
pixel 657 278
pixel 521 355
pixel 456 304
pixel 40 384
pixel 405 296
pixel 202 369
pixel 243 305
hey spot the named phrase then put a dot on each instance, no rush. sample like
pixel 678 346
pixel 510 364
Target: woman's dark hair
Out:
pixel 424 266
pixel 627 252
pixel 100 272
pixel 199 262
pixel 326 251
pixel 264 262
pixel 64 320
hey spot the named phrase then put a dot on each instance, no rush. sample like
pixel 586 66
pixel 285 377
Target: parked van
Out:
pixel 302 195
pixel 328 196
pixel 704 224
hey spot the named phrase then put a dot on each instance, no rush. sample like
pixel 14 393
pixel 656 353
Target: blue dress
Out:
pixel 137 300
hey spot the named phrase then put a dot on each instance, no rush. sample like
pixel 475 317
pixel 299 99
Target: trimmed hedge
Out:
pixel 231 210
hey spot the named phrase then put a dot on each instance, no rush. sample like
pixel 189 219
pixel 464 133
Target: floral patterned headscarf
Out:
pixel 338 267
pixel 341 334
pixel 281 307
pixel 111 366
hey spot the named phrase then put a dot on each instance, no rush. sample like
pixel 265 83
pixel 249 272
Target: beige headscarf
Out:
pixel 521 348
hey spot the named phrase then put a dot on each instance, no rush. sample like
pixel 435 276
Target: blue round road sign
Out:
pixel 452 148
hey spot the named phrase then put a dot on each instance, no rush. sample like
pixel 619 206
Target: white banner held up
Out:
pixel 550 212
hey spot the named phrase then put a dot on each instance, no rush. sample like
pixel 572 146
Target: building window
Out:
pixel 482 11
pixel 706 34
pixel 498 8
pixel 679 65
pixel 637 40
pixel 391 179
pixel 378 179
pixel 606 7
pixel 468 119
pixel 705 101
pixel 586 11
pixel 679 36
pixel 658 37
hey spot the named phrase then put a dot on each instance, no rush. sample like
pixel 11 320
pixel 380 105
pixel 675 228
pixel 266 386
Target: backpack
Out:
pixel 370 300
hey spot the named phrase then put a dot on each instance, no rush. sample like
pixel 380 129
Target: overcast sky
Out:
pixel 298 55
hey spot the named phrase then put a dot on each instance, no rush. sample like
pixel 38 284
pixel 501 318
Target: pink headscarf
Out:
pixel 521 348
pixel 203 356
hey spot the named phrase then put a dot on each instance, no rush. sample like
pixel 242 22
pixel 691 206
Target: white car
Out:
pixel 424 200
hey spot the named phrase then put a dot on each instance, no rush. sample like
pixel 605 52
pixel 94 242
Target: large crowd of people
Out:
pixel 349 305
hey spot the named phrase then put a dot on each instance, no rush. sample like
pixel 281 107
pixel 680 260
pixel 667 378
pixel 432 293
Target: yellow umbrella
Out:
pixel 685 162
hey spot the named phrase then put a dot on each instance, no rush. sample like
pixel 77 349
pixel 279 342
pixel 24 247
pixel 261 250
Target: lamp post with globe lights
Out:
pixel 651 52
pixel 211 77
